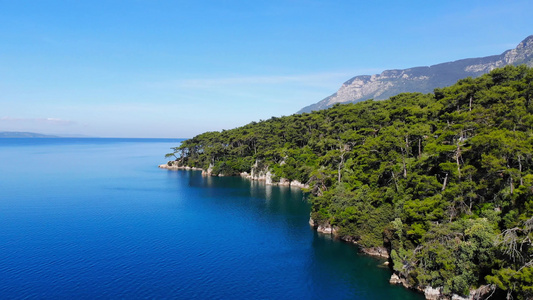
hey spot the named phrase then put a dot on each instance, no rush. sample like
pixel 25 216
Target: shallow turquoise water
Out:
pixel 96 218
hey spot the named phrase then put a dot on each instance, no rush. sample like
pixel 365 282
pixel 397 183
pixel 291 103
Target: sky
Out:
pixel 175 69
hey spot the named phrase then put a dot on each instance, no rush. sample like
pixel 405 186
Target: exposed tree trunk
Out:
pixel 419 148
pixel 458 165
pixel 453 212
pixel 407 145
pixel 457 156
pixel 445 181
pixel 404 165
pixel 344 148
pixel 395 182
pixel 470 103
pixel 405 154
pixel 520 169
pixel 340 166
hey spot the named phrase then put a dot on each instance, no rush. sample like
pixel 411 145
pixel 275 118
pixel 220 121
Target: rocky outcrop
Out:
pixel 423 79
pixel 376 251
pixel 323 227
pixel 430 293
pixel 174 165
pixel 433 293
pixel 262 173
pixel 395 279
pixel 437 293
pixel 259 173
pixel 296 183
pixel 209 171
pixel 286 182
pixel 259 176
pixel 256 173
pixel 326 228
pixel 267 178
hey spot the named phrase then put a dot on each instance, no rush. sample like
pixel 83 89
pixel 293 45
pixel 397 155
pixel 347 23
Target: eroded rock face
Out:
pixel 327 229
pixel 395 279
pixel 174 165
pixel 436 293
pixel 284 182
pixel 263 174
pixel 376 251
pixel 296 183
pixel 432 293
pixel 423 79
pixel 209 171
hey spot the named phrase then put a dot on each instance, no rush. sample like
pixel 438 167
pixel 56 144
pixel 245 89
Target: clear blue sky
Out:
pixel 157 68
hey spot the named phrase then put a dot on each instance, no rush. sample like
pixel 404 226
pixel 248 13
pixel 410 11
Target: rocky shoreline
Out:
pixel 430 293
pixel 379 252
pixel 254 175
pixel 176 167
pixel 265 175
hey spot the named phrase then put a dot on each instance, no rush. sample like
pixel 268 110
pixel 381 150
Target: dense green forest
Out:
pixel 443 180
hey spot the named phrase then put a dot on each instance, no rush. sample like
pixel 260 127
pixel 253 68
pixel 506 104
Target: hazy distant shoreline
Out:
pixel 16 134
pixel 19 134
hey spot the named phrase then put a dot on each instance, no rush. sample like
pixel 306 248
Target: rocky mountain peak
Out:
pixel 423 79
pixel 522 53
pixel 526 43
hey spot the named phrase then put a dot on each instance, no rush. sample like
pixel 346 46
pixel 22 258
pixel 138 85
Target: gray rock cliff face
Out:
pixel 423 79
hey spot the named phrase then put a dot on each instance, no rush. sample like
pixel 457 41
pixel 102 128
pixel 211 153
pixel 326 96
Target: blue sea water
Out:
pixel 96 219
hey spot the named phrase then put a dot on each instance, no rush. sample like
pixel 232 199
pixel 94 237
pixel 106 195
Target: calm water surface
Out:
pixel 96 218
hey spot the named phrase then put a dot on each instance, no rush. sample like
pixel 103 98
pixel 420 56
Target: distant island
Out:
pixel 22 134
pixel 18 134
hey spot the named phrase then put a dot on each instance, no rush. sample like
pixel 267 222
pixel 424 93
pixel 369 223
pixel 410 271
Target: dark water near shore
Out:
pixel 95 218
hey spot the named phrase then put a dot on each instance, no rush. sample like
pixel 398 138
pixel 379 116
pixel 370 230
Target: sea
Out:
pixel 91 218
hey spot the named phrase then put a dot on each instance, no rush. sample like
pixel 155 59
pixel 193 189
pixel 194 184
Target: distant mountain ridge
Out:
pixel 423 79
pixel 17 134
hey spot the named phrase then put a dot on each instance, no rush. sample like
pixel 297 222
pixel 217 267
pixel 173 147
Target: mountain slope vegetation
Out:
pixel 444 181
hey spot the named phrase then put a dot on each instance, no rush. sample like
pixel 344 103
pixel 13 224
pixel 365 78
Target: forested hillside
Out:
pixel 443 180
